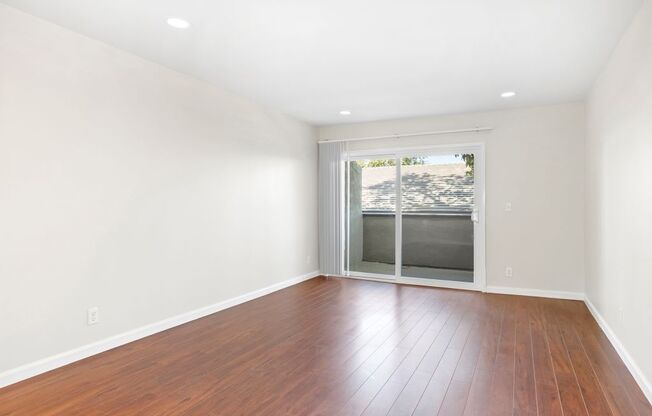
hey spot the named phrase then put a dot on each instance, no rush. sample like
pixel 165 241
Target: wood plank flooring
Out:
pixel 333 346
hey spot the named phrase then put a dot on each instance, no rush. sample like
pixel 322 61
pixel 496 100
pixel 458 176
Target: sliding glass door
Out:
pixel 414 216
pixel 437 202
pixel 371 201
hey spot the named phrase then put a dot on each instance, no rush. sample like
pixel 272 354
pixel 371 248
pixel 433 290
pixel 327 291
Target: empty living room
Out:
pixel 325 207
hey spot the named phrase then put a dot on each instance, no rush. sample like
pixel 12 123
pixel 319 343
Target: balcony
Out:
pixel 435 244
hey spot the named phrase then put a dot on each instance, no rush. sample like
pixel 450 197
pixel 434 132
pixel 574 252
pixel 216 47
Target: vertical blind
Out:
pixel 331 212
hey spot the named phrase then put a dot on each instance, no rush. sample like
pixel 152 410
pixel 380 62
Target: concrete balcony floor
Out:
pixel 415 271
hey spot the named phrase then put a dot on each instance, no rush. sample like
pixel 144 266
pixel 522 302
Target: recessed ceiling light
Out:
pixel 345 113
pixel 178 23
pixel 508 94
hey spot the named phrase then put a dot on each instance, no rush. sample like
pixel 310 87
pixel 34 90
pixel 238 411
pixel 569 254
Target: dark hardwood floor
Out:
pixel 344 347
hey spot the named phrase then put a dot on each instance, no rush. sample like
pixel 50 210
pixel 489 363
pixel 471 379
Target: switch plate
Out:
pixel 93 315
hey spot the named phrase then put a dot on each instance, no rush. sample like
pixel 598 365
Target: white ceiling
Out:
pixel 378 58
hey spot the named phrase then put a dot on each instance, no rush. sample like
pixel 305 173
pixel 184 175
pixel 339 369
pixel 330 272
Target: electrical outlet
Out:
pixel 308 259
pixel 508 206
pixel 93 315
pixel 509 272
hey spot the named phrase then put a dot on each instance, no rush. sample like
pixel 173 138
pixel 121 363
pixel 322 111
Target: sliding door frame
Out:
pixel 479 229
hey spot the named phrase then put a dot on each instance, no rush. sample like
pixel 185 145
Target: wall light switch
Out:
pixel 93 315
pixel 508 206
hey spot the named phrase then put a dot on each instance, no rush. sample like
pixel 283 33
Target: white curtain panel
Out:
pixel 331 212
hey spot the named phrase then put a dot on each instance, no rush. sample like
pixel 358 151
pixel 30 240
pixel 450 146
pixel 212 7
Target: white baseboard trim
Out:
pixel 502 290
pixel 50 363
pixel 633 368
pixel 554 294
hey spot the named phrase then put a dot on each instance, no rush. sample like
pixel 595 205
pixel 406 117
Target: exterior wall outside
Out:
pixel 355 212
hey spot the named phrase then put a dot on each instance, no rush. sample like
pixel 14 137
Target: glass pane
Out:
pixel 372 216
pixel 437 202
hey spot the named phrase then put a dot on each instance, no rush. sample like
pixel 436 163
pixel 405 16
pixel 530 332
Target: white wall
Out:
pixel 534 158
pixel 128 186
pixel 619 193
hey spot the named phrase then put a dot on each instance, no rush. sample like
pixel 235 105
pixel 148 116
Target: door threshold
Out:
pixel 413 281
